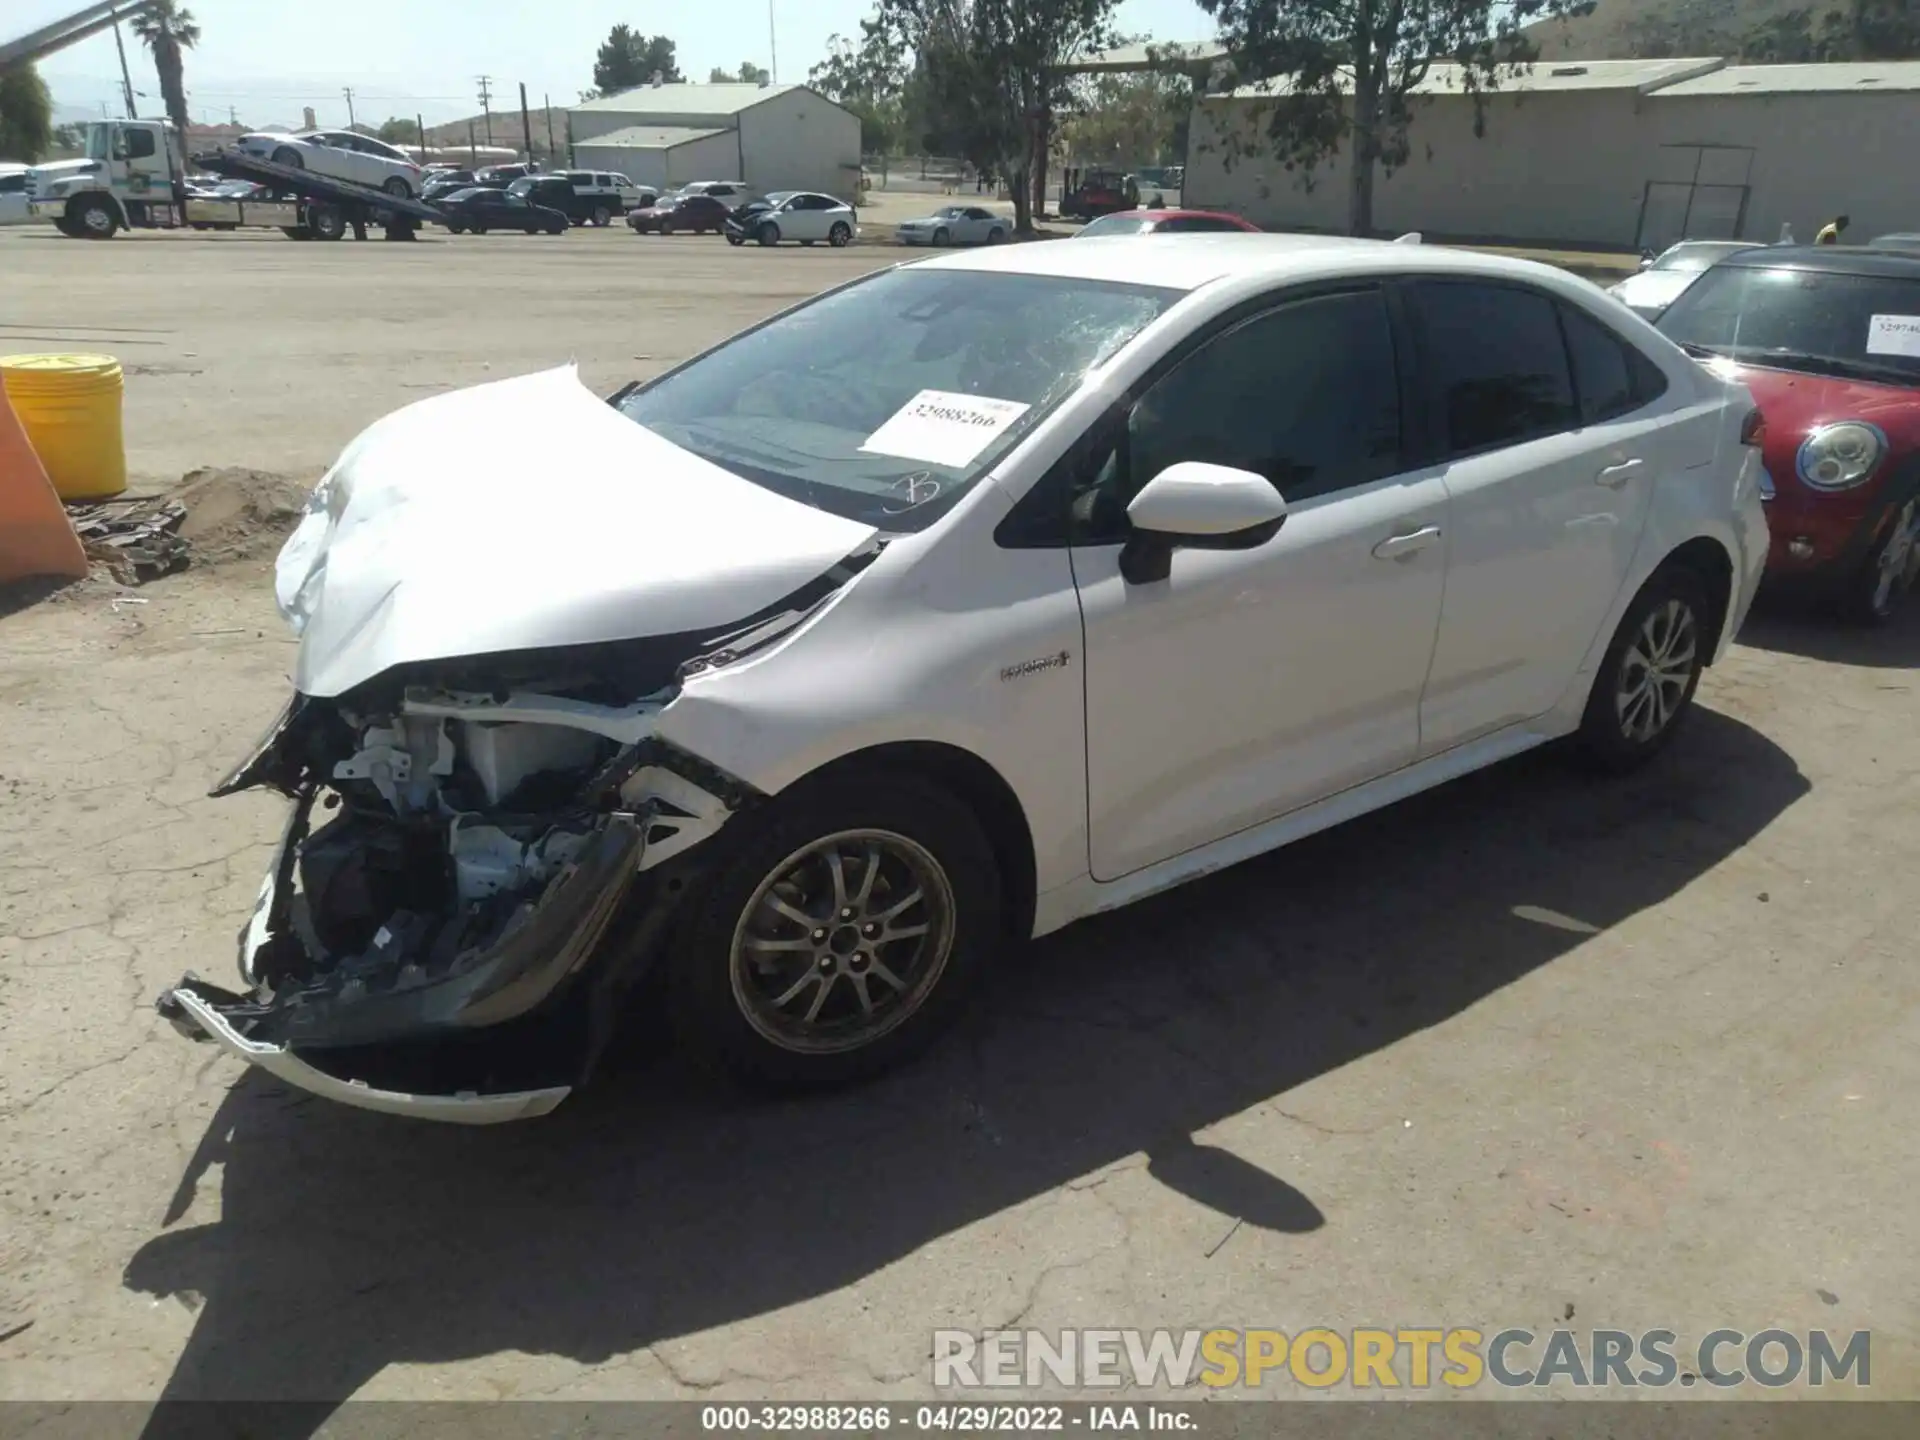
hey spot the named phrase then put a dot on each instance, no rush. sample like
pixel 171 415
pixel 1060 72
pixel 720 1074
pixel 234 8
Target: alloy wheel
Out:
pixel 842 942
pixel 1899 559
pixel 1656 670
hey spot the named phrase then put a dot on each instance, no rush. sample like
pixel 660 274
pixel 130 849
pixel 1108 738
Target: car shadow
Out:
pixel 656 1207
pixel 1793 625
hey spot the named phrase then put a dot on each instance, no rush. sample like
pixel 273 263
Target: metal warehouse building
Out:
pixel 770 137
pixel 1618 153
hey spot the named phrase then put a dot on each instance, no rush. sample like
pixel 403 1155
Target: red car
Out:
pixel 670 213
pixel 1828 341
pixel 1165 222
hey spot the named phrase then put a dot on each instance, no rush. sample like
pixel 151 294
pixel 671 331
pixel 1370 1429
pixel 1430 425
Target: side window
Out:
pixel 1498 364
pixel 1307 395
pixel 139 143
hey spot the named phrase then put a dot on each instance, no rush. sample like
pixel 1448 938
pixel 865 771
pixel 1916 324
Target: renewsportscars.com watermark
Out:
pixel 1382 1359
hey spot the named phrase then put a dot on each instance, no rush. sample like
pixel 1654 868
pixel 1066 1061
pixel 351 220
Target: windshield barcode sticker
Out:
pixel 939 427
pixel 1894 335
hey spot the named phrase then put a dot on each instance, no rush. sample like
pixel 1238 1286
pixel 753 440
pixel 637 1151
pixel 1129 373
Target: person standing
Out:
pixel 1831 232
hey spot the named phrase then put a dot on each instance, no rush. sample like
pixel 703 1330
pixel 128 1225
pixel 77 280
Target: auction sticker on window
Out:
pixel 939 427
pixel 1894 335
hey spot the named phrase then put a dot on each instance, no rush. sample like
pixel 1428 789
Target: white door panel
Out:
pixel 1252 682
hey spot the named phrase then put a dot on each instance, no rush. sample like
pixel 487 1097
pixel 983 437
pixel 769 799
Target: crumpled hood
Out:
pixel 524 514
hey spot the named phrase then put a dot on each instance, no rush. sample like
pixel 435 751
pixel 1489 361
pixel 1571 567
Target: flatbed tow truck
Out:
pixel 134 178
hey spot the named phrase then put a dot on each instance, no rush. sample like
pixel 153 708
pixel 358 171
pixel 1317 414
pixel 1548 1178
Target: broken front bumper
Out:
pixel 498 1037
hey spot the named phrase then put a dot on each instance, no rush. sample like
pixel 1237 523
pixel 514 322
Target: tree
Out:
pixel 26 114
pixel 991 69
pixel 627 61
pixel 748 74
pixel 868 78
pixel 1342 74
pixel 399 131
pixel 168 31
pixel 1130 119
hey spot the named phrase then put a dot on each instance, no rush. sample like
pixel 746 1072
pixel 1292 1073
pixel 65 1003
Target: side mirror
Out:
pixel 1201 506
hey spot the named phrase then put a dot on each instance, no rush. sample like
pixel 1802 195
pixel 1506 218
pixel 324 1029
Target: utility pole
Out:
pixel 773 46
pixel 420 136
pixel 348 92
pixel 486 105
pixel 473 153
pixel 233 114
pixel 126 79
pixel 526 122
pixel 553 151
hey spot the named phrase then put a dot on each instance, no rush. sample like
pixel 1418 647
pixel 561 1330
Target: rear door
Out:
pixel 1551 446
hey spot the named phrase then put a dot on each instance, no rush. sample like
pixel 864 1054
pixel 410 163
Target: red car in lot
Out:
pixel 1164 222
pixel 1827 339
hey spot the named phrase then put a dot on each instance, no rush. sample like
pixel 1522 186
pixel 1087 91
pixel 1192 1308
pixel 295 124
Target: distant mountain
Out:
pixel 1658 29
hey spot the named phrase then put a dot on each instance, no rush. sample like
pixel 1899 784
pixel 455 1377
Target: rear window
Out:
pixel 1498 361
pixel 1853 325
pixel 1117 225
pixel 1611 377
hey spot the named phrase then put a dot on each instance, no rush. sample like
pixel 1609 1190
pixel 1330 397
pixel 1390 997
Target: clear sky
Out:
pixel 268 58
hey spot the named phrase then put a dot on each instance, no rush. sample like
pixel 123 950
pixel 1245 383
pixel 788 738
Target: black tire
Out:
pixel 326 223
pixel 733 239
pixel 290 158
pixel 66 227
pixel 93 219
pixel 397 185
pixel 456 227
pixel 1879 589
pixel 996 236
pixel 895 803
pixel 601 216
pixel 767 234
pixel 841 235
pixel 479 229
pixel 296 232
pixel 664 228
pixel 1669 621
pixel 940 237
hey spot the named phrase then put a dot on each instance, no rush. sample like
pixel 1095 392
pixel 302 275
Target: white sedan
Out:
pixel 974 597
pixel 1665 278
pixel 798 215
pixel 955 225
pixel 340 155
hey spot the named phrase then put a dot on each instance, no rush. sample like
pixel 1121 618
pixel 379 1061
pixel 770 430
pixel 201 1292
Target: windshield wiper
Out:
pixel 1699 351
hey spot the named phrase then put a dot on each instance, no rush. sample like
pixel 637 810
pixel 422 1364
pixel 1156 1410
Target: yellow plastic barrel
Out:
pixel 69 405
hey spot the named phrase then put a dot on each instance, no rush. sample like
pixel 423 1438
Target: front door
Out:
pixel 1251 682
pixel 1551 454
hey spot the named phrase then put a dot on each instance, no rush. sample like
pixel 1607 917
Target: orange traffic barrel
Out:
pixel 69 405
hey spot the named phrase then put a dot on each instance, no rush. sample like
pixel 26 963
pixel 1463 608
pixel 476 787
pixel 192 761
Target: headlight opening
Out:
pixel 1838 457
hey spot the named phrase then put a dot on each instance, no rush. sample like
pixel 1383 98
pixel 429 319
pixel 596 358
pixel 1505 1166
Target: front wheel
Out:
pixel 940 237
pixel 455 227
pixel 768 234
pixel 996 236
pixel 1879 590
pixel 733 239
pixel 601 215
pixel 843 935
pixel 1647 679
pixel 841 235
pixel 397 186
pixel 292 159
pixel 94 218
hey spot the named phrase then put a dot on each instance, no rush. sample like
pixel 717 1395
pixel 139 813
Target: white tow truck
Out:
pixel 134 178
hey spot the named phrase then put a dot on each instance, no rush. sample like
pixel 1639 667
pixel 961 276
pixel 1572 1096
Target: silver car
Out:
pixel 956 225
pixel 1661 281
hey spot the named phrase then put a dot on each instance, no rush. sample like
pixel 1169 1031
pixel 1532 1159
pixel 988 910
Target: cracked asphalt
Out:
pixel 1529 1050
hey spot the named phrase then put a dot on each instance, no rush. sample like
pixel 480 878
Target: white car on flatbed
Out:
pixel 342 155
pixel 977 596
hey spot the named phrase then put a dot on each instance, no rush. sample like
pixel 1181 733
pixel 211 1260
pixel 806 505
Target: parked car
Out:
pixel 480 208
pixel 799 215
pixel 731 191
pixel 342 155
pixel 1101 192
pixel 955 225
pixel 554 192
pixel 816 720
pixel 440 183
pixel 1663 279
pixel 695 214
pixel 1894 242
pixel 1828 340
pixel 608 191
pixel 501 176
pixel 14 209
pixel 1165 222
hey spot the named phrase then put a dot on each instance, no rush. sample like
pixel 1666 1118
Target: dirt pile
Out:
pixel 234 513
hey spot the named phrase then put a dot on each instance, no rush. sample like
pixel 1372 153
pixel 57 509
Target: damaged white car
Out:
pixel 973 597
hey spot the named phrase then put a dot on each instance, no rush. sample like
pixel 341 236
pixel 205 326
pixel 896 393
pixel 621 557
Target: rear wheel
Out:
pixel 843 935
pixel 1648 676
pixel 397 185
pixel 841 235
pixel 290 158
pixel 456 227
pixel 601 216
pixel 996 236
pixel 1879 590
pixel 326 223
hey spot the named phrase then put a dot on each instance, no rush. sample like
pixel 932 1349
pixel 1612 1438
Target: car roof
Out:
pixel 1831 259
pixel 1178 213
pixel 1189 261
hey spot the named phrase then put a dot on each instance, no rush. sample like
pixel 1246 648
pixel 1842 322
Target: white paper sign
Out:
pixel 1894 335
pixel 939 427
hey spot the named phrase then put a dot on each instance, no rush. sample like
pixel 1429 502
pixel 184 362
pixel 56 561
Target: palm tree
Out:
pixel 167 30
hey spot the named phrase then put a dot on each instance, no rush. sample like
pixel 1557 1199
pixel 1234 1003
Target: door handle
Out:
pixel 1614 476
pixel 1398 547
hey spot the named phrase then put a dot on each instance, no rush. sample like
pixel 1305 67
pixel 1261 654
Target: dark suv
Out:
pixel 556 192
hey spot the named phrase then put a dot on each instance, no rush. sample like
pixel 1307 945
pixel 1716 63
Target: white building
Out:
pixel 769 137
pixel 1618 153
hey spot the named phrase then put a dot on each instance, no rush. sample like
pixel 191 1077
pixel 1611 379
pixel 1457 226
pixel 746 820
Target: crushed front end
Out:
pixel 469 884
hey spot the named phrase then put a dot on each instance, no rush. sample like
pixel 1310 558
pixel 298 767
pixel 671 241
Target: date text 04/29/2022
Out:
pixel 965 1419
